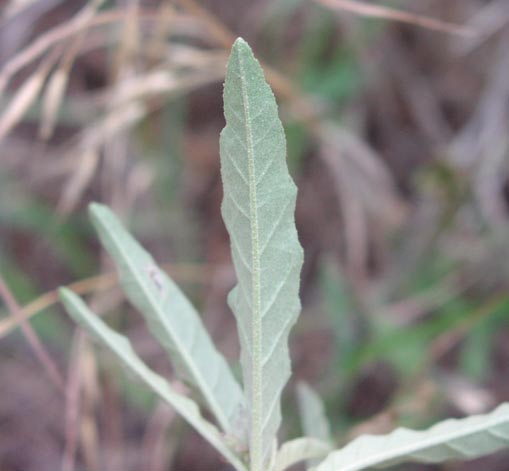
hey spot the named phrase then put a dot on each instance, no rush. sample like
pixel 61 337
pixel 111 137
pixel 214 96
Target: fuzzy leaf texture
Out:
pixel 258 210
pixel 122 348
pixel 299 449
pixel 449 440
pixel 174 322
pixel 312 412
pixel 313 417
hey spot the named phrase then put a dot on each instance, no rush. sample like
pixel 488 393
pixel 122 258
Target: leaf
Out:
pixel 122 348
pixel 312 413
pixel 300 449
pixel 173 320
pixel 314 420
pixel 258 210
pixel 449 440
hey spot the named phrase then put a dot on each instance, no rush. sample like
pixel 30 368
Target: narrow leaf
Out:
pixel 449 440
pixel 258 210
pixel 300 449
pixel 173 320
pixel 312 413
pixel 122 348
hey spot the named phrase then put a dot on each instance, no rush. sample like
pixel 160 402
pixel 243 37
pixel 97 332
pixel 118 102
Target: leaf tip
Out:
pixel 95 209
pixel 64 293
pixel 241 47
pixel 100 214
pixel 239 43
pixel 68 299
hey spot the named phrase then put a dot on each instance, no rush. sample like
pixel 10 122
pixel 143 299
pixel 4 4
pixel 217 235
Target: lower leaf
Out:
pixel 122 348
pixel 449 440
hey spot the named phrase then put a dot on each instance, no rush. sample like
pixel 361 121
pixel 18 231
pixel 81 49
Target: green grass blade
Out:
pixel 173 320
pixel 121 347
pixel 449 440
pixel 258 210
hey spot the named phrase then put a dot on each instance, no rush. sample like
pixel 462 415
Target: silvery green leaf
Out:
pixel 258 210
pixel 121 347
pixel 312 413
pixel 299 449
pixel 449 440
pixel 173 320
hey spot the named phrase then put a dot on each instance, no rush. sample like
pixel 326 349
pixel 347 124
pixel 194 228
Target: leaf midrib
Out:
pixel 420 445
pixel 256 435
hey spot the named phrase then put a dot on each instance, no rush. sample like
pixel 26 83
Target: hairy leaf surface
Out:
pixel 258 210
pixel 449 440
pixel 299 449
pixel 172 320
pixel 121 347
pixel 312 413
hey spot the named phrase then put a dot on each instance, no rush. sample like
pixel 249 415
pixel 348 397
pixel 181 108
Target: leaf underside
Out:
pixel 312 412
pixel 173 320
pixel 449 440
pixel 258 210
pixel 313 417
pixel 122 348
pixel 299 449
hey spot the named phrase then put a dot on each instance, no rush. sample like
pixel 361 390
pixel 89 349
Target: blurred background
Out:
pixel 397 120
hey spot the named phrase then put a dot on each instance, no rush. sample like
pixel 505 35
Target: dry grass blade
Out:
pixel 50 298
pixel 127 101
pixel 481 146
pixel 490 20
pixel 182 272
pixel 365 170
pixel 387 13
pixel 72 412
pixel 149 84
pixel 89 433
pixel 164 82
pixel 51 102
pixel 21 101
pixel 25 96
pixel 217 30
pixel 14 7
pixel 121 118
pixel 156 42
pixel 156 449
pixel 73 27
pixel 33 340
pixel 45 42
pixel 58 81
pixel 129 42
pixel 77 184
